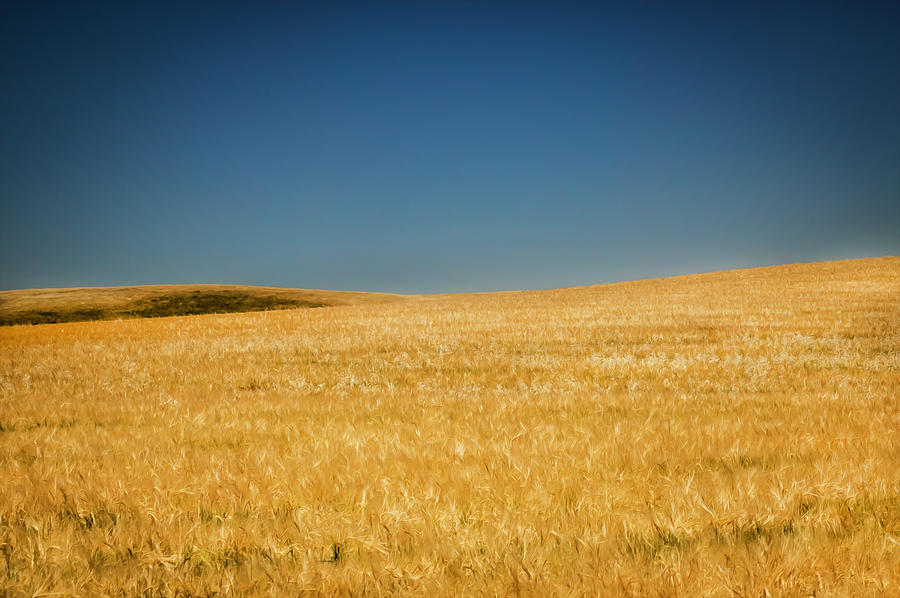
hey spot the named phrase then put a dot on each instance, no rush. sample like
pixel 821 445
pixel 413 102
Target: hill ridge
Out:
pixel 73 304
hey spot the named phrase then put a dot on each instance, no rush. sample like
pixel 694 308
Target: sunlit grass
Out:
pixel 727 434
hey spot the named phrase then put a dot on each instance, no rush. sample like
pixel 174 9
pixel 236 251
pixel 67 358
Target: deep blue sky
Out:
pixel 442 146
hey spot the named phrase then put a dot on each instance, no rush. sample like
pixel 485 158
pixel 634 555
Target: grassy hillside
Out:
pixel 735 433
pixel 48 306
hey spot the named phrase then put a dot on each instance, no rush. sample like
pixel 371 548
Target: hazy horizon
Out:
pixel 442 147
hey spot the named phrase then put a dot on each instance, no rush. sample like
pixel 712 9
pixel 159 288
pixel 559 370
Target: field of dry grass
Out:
pixel 727 434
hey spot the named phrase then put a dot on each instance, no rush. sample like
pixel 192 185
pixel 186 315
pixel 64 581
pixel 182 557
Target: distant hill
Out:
pixel 48 306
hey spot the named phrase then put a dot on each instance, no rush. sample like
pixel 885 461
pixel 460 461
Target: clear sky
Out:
pixel 442 146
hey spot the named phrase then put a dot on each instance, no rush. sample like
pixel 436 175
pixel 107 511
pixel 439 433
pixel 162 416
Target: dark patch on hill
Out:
pixel 195 303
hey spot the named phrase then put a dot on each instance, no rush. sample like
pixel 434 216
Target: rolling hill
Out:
pixel 50 306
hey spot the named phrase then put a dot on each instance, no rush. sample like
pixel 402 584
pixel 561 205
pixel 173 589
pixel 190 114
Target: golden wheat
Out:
pixel 735 433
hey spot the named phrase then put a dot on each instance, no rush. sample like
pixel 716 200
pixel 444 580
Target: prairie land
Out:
pixel 725 434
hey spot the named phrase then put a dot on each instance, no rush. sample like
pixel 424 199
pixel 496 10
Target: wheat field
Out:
pixel 726 434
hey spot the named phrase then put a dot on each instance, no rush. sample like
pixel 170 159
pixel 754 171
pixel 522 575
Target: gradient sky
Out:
pixel 442 146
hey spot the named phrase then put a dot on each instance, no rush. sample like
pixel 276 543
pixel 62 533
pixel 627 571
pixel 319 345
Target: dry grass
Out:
pixel 726 434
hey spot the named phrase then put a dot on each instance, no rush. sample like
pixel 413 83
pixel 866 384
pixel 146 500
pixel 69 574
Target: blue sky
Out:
pixel 442 146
